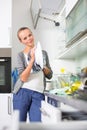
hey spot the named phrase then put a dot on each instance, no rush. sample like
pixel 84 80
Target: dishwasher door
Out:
pixel 49 113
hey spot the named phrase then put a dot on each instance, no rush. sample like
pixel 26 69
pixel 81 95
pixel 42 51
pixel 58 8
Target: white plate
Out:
pixel 39 55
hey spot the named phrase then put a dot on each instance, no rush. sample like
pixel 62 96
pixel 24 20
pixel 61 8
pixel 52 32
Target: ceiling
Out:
pixel 52 7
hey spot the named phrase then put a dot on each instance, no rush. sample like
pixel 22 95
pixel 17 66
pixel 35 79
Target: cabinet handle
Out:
pixel 9 105
pixel 3 60
pixel 44 112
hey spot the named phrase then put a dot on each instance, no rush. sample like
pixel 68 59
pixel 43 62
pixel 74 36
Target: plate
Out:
pixel 39 55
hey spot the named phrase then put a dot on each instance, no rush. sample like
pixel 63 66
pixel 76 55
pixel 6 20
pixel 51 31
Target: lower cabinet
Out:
pixel 5 110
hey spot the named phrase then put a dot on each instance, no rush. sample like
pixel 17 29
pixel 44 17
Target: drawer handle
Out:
pixel 9 105
pixel 44 112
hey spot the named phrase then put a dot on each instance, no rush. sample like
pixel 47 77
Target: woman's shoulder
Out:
pixel 44 52
pixel 20 55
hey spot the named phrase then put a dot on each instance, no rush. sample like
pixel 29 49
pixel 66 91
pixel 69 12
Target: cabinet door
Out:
pixel 5 109
pixel 5 22
pixel 70 5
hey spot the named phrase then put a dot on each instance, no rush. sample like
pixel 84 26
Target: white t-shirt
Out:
pixel 35 81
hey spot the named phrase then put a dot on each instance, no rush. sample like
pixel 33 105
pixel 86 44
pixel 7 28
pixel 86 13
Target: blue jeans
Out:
pixel 28 101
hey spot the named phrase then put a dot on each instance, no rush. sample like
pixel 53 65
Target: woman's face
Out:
pixel 26 37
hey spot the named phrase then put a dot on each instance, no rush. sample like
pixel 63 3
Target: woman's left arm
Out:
pixel 47 68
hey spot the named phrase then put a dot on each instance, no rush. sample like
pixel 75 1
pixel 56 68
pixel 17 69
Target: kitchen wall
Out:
pixel 82 61
pixel 20 17
pixel 5 52
pixel 51 37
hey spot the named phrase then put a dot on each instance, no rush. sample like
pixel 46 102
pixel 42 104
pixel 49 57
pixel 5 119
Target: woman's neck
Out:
pixel 26 50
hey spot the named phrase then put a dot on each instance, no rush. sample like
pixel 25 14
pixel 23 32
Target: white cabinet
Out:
pixel 76 35
pixel 5 109
pixel 72 52
pixel 5 23
pixel 70 5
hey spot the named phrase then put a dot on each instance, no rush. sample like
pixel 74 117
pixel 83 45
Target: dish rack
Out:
pixel 62 80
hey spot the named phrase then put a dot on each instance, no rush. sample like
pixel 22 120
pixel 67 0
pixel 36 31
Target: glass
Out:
pixel 35 9
pixel 2 75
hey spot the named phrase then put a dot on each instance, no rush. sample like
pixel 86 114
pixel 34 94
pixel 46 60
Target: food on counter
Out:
pixel 63 82
pixel 74 87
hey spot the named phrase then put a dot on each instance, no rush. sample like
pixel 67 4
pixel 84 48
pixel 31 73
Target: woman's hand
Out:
pixel 32 54
pixel 46 70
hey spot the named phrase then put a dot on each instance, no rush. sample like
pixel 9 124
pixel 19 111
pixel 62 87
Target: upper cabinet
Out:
pixel 76 32
pixel 45 9
pixel 5 23
pixel 76 21
pixel 35 9
pixel 76 50
pixel 70 5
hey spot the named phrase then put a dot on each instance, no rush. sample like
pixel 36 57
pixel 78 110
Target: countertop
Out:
pixel 76 125
pixel 69 100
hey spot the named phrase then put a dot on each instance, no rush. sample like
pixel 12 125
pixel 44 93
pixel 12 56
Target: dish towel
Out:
pixel 39 55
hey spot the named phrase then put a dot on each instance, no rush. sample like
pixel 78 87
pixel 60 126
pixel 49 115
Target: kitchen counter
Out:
pixel 73 101
pixel 76 125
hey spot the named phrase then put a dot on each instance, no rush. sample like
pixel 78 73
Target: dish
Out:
pixel 39 55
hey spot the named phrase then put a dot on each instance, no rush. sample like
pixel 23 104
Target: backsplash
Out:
pixel 5 52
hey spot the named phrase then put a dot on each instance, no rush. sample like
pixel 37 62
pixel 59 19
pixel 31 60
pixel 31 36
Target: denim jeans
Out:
pixel 28 101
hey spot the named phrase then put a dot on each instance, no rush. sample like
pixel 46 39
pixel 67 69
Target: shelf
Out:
pixel 78 49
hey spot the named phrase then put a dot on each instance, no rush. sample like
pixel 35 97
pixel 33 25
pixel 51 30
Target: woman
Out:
pixel 28 98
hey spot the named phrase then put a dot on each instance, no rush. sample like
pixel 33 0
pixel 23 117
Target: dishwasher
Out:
pixel 51 118
pixel 49 113
pixel 51 124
